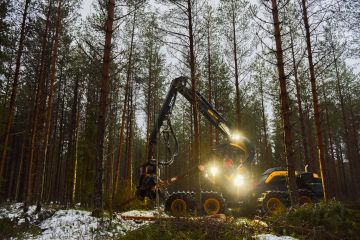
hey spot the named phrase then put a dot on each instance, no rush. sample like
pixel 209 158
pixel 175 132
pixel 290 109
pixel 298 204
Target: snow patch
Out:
pixel 273 237
pixel 78 224
pixel 73 223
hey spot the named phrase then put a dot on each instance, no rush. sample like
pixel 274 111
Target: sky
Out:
pixel 86 8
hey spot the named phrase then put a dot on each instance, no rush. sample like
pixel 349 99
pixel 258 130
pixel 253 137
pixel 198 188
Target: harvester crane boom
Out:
pixel 182 85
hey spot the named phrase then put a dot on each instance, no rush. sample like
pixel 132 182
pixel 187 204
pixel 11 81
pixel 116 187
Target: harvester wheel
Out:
pixel 179 204
pixel 212 203
pixel 305 197
pixel 273 202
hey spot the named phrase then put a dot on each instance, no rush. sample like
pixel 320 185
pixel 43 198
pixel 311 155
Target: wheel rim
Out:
pixel 274 205
pixel 212 206
pixel 304 200
pixel 178 207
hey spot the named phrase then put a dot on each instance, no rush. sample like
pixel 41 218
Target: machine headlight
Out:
pixel 239 180
pixel 236 137
pixel 214 171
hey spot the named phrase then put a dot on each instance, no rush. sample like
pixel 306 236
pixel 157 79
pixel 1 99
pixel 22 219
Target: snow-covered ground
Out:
pixel 79 224
pixel 273 237
pixel 73 223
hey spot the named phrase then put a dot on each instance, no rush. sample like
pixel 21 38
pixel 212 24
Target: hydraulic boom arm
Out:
pixel 183 86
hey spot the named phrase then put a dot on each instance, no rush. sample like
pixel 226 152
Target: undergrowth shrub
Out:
pixel 329 220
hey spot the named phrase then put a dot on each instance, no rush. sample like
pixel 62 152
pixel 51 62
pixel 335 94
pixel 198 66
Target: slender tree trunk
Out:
pixel 285 105
pixel 238 110
pixel 300 108
pixel 98 193
pixel 51 177
pixel 317 115
pixel 35 118
pixel 123 119
pixel 62 170
pixel 267 152
pixel 148 105
pixel 15 83
pixel 334 181
pixel 211 141
pixel 72 144
pixel 196 143
pixel 216 102
pixel 50 98
pixel 128 132
pixel 131 138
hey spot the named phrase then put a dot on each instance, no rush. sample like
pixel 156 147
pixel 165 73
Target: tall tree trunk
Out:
pixel 123 119
pixel 52 156
pixel 196 143
pixel 128 133
pixel 15 83
pixel 299 103
pixel 98 193
pixel 317 115
pixel 267 151
pixel 334 181
pixel 238 110
pixel 50 98
pixel 35 118
pixel 211 141
pixel 148 105
pixel 285 105
pixel 72 144
pixel 131 138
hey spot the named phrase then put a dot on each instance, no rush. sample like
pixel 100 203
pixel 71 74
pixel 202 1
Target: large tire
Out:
pixel 179 204
pixel 305 197
pixel 212 203
pixel 272 202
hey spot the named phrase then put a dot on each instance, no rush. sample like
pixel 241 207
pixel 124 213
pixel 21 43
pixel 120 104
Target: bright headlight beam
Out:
pixel 214 171
pixel 239 180
pixel 236 137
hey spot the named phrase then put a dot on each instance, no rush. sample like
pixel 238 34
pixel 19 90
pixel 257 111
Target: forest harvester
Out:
pixel 227 170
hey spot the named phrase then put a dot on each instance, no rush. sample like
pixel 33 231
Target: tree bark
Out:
pixel 238 110
pixel 317 115
pixel 98 193
pixel 196 143
pixel 285 105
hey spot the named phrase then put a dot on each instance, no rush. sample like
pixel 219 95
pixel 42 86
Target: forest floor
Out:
pixel 55 223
